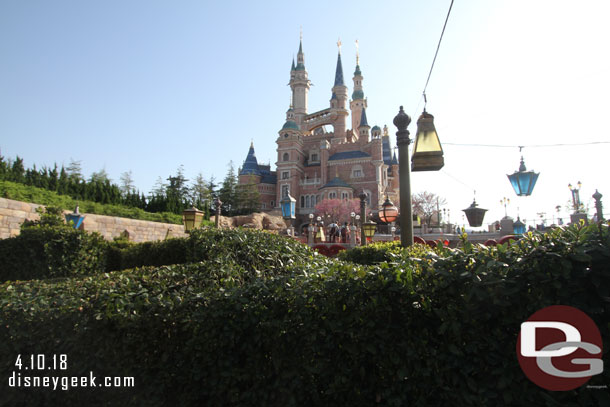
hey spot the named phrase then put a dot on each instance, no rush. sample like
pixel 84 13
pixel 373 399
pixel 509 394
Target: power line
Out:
pixel 526 146
pixel 436 53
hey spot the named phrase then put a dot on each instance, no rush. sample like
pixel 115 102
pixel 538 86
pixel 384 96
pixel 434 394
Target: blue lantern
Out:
pixel 288 204
pixel 523 181
pixel 75 217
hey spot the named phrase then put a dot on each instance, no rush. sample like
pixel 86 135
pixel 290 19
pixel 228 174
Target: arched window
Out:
pixel 302 201
pixel 286 157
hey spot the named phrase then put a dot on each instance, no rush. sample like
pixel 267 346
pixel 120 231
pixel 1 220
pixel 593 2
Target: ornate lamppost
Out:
pixel 576 196
pixel 288 204
pixel 598 206
pixel 362 197
pixel 401 121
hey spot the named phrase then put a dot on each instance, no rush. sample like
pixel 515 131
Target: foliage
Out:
pixel 338 209
pixel 123 255
pixel 426 204
pixel 47 251
pixel 20 192
pixel 437 329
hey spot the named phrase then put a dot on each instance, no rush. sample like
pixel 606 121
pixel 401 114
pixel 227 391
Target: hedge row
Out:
pixel 437 328
pixel 49 252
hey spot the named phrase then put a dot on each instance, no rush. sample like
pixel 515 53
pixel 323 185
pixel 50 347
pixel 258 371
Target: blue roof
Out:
pixel 250 164
pixel 337 183
pixel 290 124
pixel 346 155
pixel 357 71
pixel 268 178
pixel 386 150
pixel 339 72
pixel 363 121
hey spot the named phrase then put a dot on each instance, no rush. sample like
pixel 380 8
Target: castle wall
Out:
pixel 14 213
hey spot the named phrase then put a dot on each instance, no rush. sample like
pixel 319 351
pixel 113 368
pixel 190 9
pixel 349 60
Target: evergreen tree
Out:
pixel 74 171
pixel 127 186
pixel 249 197
pixel 228 192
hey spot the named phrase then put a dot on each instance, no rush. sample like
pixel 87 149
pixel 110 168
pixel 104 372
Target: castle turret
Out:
pixel 364 128
pixel 300 84
pixel 358 103
pixel 338 100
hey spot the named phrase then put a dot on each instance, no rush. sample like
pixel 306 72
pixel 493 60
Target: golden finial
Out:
pixel 339 44
pixel 357 54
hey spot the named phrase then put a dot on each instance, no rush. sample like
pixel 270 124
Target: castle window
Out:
pixel 344 196
pixel 314 157
pixel 302 201
pixel 357 171
pixel 285 174
pixel 285 190
pixel 332 195
pixel 286 157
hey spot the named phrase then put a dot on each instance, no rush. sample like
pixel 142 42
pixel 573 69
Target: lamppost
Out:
pixel 192 218
pixel 310 230
pixel 576 196
pixel 401 121
pixel 505 201
pixel 320 226
pixel 217 205
pixel 388 213
pixel 598 206
pixel 362 197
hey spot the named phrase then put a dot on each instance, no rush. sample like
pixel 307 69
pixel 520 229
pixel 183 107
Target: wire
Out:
pixel 526 146
pixel 436 53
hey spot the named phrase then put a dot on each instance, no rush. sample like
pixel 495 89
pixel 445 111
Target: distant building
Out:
pixel 314 163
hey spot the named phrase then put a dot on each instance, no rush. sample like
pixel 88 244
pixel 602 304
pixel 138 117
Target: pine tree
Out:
pixel 228 192
pixel 127 185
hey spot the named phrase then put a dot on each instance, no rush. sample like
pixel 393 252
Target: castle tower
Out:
pixel 358 103
pixel 338 101
pixel 290 156
pixel 364 128
pixel 300 84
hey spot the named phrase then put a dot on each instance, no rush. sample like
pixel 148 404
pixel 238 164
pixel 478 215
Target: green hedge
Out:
pixel 49 252
pixel 436 330
pixel 26 193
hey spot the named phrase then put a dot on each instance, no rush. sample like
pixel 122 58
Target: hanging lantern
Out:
pixel 428 153
pixel 369 229
pixel 523 181
pixel 388 212
pixel 288 204
pixel 475 215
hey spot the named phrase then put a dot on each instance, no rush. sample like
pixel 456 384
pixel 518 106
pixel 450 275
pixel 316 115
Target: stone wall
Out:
pixel 14 213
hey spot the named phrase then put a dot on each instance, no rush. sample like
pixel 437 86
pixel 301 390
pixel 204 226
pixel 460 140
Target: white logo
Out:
pixel 570 345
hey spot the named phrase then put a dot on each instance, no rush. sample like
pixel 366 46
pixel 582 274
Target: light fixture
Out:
pixel 192 218
pixel 474 214
pixel 369 229
pixel 388 212
pixel 523 181
pixel 428 152
pixel 75 217
pixel 288 204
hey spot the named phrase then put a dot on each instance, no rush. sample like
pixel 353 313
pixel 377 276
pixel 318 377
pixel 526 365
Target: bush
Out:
pixel 50 251
pixel 437 330
pixel 123 255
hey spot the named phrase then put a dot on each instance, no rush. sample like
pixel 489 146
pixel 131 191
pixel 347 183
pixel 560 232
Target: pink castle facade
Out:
pixel 319 156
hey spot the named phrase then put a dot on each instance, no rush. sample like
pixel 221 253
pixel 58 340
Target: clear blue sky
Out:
pixel 148 86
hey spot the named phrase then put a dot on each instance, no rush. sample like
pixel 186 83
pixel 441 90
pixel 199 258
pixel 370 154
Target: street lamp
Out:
pixel 401 121
pixel 505 201
pixel 76 217
pixel 598 206
pixel 362 197
pixel 576 196
pixel 310 229
pixel 192 218
pixel 369 229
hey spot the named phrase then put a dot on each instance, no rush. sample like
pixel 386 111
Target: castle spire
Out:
pixel 339 71
pixel 363 121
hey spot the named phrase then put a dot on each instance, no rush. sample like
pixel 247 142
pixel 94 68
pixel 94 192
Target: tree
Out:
pixel 127 187
pixel 339 209
pixel 228 192
pixel 249 197
pixel 200 194
pixel 427 204
pixel 74 170
pixel 101 176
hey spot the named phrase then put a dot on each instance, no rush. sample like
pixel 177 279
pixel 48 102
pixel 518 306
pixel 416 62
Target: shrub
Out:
pixel 436 330
pixel 124 255
pixel 50 251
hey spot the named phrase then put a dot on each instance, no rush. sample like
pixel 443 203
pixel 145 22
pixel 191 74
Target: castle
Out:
pixel 314 164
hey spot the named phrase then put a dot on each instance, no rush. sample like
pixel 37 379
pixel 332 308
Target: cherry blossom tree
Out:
pixel 338 209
